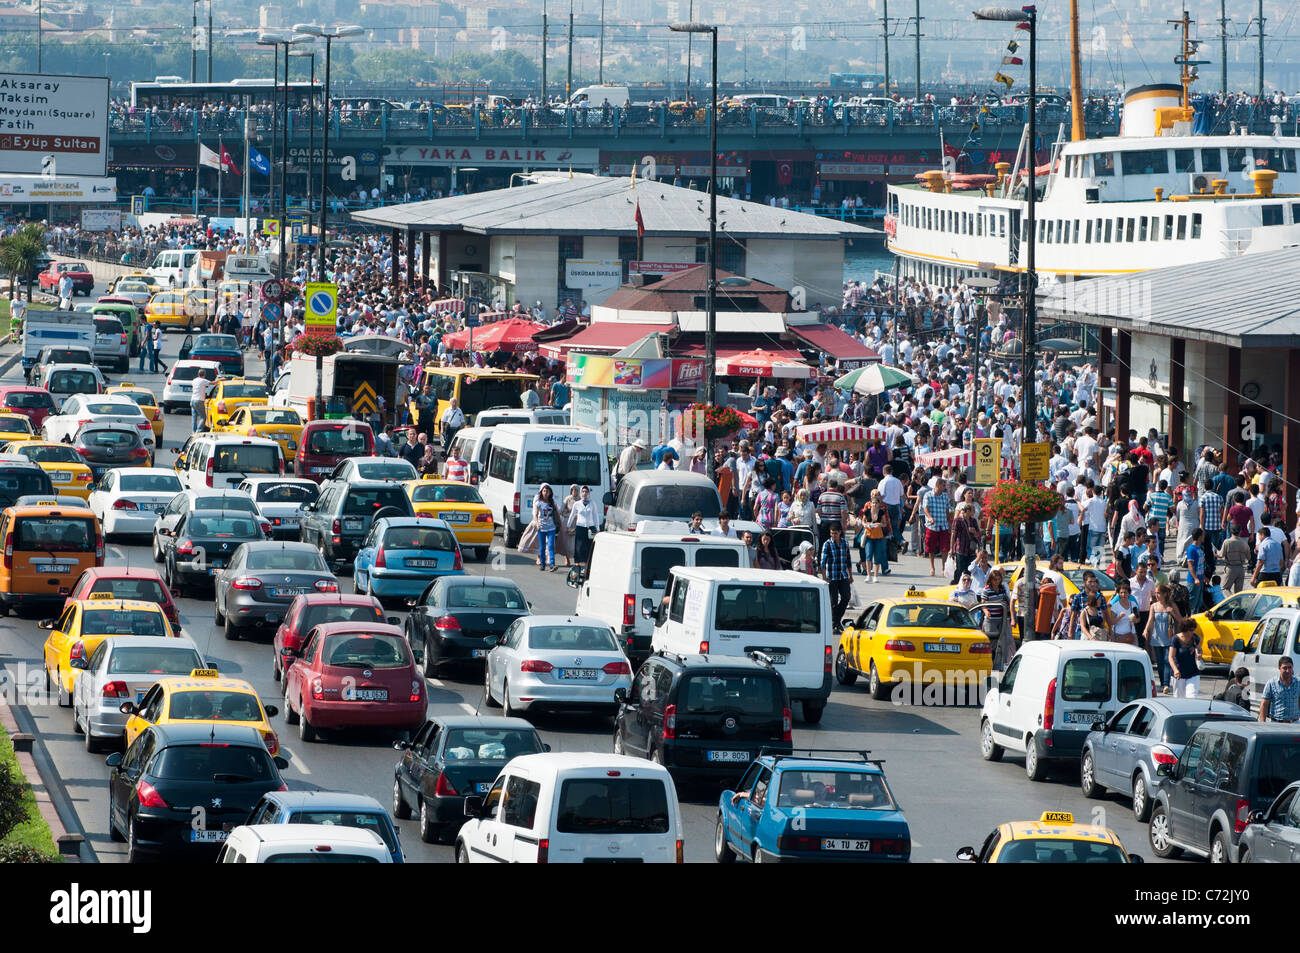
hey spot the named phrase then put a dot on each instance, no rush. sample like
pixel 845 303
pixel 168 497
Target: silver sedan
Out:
pixel 555 662
pixel 122 669
pixel 263 578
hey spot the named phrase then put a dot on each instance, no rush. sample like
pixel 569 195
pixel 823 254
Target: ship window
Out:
pixel 1096 231
pixel 1103 164
pixel 1184 160
pixel 1145 162
pixel 1108 233
pixel 1169 228
pixel 1087 235
pixel 1002 226
pixel 1272 214
pixel 1288 160
pixel 1142 228
pixel 1211 160
pixel 1196 225
pixel 1182 227
pixel 1129 231
pixel 1238 160
pixel 979 224
pixel 1279 160
pixel 1295 213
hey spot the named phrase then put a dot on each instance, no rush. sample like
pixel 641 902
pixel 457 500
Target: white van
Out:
pixel 1276 635
pixel 524 457
pixel 574 807
pixel 671 495
pixel 303 843
pixel 784 615
pixel 224 460
pixel 1051 695
pixel 544 416
pixel 473 445
pixel 598 96
pixel 172 266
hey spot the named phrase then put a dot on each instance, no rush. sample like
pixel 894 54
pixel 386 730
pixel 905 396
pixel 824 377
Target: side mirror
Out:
pixel 271 711
pixel 1135 859
pixel 647 609
pixel 608 498
pixel 401 745
pixel 620 695
pixel 126 708
pixel 1099 726
pixel 80 663
pixel 966 853
pixel 1165 770
pixel 1256 817
pixel 576 578
pixel 114 759
pixel 1239 645
pixel 280 762
pixel 393 620
pixel 47 624
pixel 474 806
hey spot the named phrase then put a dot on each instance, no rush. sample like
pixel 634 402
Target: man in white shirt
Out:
pixel 1094 521
pixel 453 418
pixel 198 394
pixel 891 492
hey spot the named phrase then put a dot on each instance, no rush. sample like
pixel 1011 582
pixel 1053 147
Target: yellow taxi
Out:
pixel 168 309
pixel 15 427
pixel 200 302
pixel 283 425
pixel 1052 839
pixel 1072 572
pixel 925 645
pixel 147 402
pixel 137 277
pixel 204 696
pixel 229 393
pixel 460 505
pixel 77 632
pixel 67 470
pixel 1236 617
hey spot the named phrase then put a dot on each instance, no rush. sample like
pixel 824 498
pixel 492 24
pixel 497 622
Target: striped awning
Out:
pixel 957 457
pixel 836 435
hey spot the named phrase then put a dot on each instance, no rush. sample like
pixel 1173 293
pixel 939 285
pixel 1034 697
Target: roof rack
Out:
pixel 863 754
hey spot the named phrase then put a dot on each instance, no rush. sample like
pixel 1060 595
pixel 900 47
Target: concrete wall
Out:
pixel 503 256
pixel 600 248
pixel 815 266
pixel 537 263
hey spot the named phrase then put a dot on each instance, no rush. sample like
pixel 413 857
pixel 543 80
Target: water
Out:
pixel 865 257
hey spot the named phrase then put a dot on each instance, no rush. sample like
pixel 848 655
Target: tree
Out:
pixel 20 253
pixel 12 809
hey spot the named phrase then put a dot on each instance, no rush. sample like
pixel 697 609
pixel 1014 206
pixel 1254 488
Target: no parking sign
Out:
pixel 322 307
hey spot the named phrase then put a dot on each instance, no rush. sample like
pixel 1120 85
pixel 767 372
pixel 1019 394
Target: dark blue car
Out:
pixel 809 808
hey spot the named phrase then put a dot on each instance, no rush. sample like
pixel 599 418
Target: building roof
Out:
pixel 681 292
pixel 1247 301
pixel 557 204
pixel 605 336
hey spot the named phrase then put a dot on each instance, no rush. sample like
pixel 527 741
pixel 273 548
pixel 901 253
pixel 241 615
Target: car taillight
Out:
pixel 381 561
pixel 115 690
pixel 981 648
pixel 9 550
pixel 82 478
pixel 280 461
pixel 283 787
pixel 447 622
pixel 826 661
pixel 1049 706
pixel 787 725
pixel 78 651
pixel 81 423
pixel 123 337
pixel 144 425
pixel 899 645
pixel 337 528
pixel 670 722
pixel 798 842
pixel 123 505
pixel 483 518
pixel 535 665
pixel 207 475
pixel 317 689
pixel 891 846
pixel 704 648
pixel 148 795
pixel 1243 813
pixel 271 741
pixel 618 668
pixel 326 585
pixel 629 608
pixel 185 548
pixel 515 505
pixel 458 563
pixel 247 583
pixel 1162 755
pixel 543 850
pixel 443 786
pixel 415 690
pixel 140 453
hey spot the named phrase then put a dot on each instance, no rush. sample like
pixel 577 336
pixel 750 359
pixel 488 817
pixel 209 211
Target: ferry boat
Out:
pixel 1155 195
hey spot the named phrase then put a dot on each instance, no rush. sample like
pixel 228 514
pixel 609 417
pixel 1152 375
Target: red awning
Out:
pixel 603 336
pixel 840 345
pixel 728 351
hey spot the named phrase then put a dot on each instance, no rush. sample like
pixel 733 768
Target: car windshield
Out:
pixel 613 806
pixel 489 744
pixel 206 524
pixel 748 694
pixel 244 390
pixel 1057 850
pixel 287 492
pixel 834 788
pixel 301 560
pixel 234 501
pixel 419 537
pixel 113 407
pixel 147 590
pixel 109 438
pixel 386 471
pixel 30 400
pixel 227 763
pixel 315 615
pixel 216 340
pixel 930 617
pixel 1086 680
pixel 150 482
pixel 445 493
pixel 61 534
pixel 22 481
pixel 122 622
pixel 487 596
pixel 214 705
pixel 331 857
pixel 562 468
pixel 268 415
pixel 184 373
pixel 769 608
pixel 1279 765
pixel 1104 582
pixel 250 458
pixel 54 453
pixel 376 823
pixel 676 501
pixel 365 501
pixel 142 660
pixel 571 638
pixel 366 650
pixel 15 424
pixel 72 382
pixel 340 439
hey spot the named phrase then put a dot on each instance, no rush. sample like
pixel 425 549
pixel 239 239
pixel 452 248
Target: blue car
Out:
pixel 805 808
pixel 328 807
pixel 401 555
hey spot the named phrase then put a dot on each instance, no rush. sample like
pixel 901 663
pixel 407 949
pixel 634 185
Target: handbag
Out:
pixel 874 530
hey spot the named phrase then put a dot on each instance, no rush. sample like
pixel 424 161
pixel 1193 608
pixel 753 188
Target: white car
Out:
pixel 180 382
pixel 392 469
pixel 82 409
pixel 278 500
pixel 129 499
pixel 303 843
pixel 555 662
pixel 62 380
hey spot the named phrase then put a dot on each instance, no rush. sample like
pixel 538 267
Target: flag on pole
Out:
pixel 258 161
pixel 227 163
pixel 1005 80
pixel 640 222
pixel 208 158
pixel 1012 61
pixel 1012 46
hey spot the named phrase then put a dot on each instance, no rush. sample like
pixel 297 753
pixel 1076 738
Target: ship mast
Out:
pixel 1185 62
pixel 1077 133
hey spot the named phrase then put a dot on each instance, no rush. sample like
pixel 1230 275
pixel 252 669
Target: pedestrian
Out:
pixel 1268 559
pixel 455 466
pixel 17 315
pixel 831 506
pixel 1184 659
pixel 542 528
pixel 964 539
pixel 584 521
pixel 803 560
pixel 1195 562
pixel 1235 692
pixel 155 352
pixel 1162 622
pixel 145 350
pixel 765 554
pixel 837 570
pixel 996 621
pixel 934 509
pixel 198 394
pixel 1281 698
pixel 965 594
pixel 1123 613
pixel 876 531
pixel 1235 554
pixel 65 292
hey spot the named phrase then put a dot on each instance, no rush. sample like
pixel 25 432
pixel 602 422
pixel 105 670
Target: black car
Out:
pixel 232 502
pixel 21 477
pixel 459 618
pixel 104 447
pixel 703 717
pixel 1226 773
pixel 451 758
pixel 341 516
pixel 202 545
pixel 183 788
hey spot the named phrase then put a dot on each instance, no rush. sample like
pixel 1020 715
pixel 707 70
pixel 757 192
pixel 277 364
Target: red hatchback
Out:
pixel 325 444
pixel 34 403
pixel 124 583
pixel 354 675
pixel 317 608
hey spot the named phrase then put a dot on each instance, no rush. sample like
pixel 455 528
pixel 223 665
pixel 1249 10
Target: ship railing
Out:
pixel 1236 241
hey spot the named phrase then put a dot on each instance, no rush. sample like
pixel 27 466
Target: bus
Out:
pixel 476 388
pixel 167 92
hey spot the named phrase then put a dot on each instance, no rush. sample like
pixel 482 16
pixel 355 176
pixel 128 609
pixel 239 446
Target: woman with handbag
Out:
pixel 1123 611
pixel 876 530
pixel 995 603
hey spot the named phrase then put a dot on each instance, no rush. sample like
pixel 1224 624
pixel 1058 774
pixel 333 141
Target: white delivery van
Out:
pixel 1051 695
pixel 473 444
pixel 56 329
pixel 522 458
pixel 626 569
pixel 221 461
pixel 172 266
pixel 784 615
pixel 573 808
pixel 596 96
pixel 303 844
pixel 671 495
pixel 249 268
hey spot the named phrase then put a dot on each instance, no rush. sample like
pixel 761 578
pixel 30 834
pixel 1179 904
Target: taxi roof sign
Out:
pixel 204 673
pixel 1056 817
pixel 101 595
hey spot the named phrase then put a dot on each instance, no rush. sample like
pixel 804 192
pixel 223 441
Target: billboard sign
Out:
pixel 53 125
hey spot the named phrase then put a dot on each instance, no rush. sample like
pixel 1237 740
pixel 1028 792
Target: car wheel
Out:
pixel 1158 833
pixel 511 536
pixel 722 852
pixel 305 730
pixel 488 698
pixel 276 675
pixel 506 708
pixel 990 750
pixel 656 757
pixel 618 742
pixel 113 833
pixel 218 617
pixel 758 855
pixel 157 553
pixel 64 698
pixel 233 632
pixel 812 711
pixel 429 831
pixel 1141 800
pixel 401 810
pixel 843 674
pixel 132 849
pixel 879 690
pixel 1246 857
pixel 1220 848
pixel 92 743
pixel 427 665
pixel 1088 776
pixel 4 607
pixel 76 718
pixel 462 854
pixel 1033 763
pixel 290 716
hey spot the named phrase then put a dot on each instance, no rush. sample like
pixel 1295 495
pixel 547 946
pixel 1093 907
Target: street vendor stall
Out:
pixel 954 457
pixel 511 335
pixel 839 436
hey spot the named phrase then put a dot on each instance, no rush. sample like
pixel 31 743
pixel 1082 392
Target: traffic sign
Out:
pixel 471 320
pixel 364 400
pixel 1033 461
pixel 271 227
pixel 137 205
pixel 308 240
pixel 272 289
pixel 271 311
pixel 322 307
pixel 988 456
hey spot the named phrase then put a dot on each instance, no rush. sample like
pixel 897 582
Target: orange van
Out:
pixel 45 549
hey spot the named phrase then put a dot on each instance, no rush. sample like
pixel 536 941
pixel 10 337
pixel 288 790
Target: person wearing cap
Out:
pixel 630 458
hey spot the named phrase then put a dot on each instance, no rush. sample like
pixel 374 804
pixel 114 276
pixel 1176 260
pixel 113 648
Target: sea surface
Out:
pixel 865 257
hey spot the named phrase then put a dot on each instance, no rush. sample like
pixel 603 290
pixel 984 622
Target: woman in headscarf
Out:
pixel 566 506
pixel 801 510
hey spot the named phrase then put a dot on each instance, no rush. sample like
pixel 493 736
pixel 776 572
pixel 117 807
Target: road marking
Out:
pixel 296 761
pixel 468 709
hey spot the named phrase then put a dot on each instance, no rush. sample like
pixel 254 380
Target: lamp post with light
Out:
pixel 311 122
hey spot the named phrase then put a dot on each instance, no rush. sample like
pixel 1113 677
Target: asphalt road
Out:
pixel 950 796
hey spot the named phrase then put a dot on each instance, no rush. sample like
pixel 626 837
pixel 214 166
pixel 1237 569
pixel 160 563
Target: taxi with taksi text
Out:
pixel 205 696
pixel 1236 617
pixel 281 424
pixel 77 632
pixel 67 470
pixel 147 402
pixel 1054 838
pixel 459 505
pixel 228 394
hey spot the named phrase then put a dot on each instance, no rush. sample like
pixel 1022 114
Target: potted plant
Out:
pixel 317 345
pixel 1013 502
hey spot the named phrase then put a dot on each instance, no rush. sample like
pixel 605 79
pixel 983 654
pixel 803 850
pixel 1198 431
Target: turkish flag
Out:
pixel 227 163
pixel 640 222
pixel 784 173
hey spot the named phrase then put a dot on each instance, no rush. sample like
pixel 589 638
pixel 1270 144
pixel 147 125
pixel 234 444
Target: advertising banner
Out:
pixel 18 189
pixel 593 370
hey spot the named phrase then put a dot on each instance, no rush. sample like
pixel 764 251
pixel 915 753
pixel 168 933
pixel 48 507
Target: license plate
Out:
pixel 54 567
pixel 272 618
pixel 954 647
pixel 482 787
pixel 371 694
pixel 207 837
pixel 1083 717
pixel 61 476
pixel 213 571
pixel 478 653
pixel 578 674
pixel 152 507
pixel 287 593
pixel 139 697
pixel 456 517
pixel 727 756
pixel 421 563
pixel 353 525
pixel 321 469
pixel 844 843
pixel 287 522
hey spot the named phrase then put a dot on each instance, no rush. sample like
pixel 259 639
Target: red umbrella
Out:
pixel 510 334
pixel 761 363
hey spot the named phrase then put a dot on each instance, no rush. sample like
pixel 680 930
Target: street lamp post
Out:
pixel 1027 17
pixel 311 126
pixel 711 325
pixel 209 41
